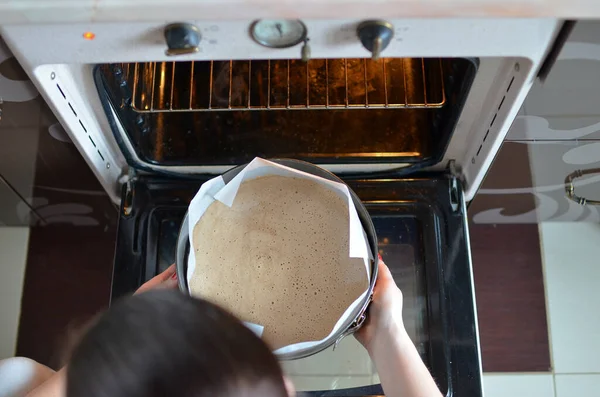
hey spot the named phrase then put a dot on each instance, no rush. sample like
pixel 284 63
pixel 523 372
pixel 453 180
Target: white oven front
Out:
pixel 60 60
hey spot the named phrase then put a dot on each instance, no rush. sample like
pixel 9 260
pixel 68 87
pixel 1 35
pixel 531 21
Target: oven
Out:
pixel 410 113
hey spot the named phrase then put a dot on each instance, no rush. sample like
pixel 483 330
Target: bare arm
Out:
pixel 400 368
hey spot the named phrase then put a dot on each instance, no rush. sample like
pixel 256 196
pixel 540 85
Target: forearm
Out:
pixel 401 370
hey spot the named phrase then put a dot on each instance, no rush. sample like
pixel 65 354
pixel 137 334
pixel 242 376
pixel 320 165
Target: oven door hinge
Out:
pixel 127 199
pixel 455 176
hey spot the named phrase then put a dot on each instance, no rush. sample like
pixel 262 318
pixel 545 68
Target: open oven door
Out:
pixel 380 124
pixel 423 238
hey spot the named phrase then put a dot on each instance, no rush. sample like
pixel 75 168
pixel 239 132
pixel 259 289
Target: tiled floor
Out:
pixel 571 258
pixel 577 385
pixel 518 385
pixel 572 265
pixel 511 307
pixel 65 286
pixel 13 255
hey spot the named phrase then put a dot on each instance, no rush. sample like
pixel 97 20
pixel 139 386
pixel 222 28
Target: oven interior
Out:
pixel 328 111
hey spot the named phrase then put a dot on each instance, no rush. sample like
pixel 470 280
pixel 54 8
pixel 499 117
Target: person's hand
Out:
pixel 384 318
pixel 398 363
pixel 167 279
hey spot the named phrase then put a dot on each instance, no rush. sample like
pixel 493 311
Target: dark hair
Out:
pixel 163 343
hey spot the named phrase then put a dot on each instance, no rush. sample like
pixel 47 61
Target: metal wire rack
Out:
pixel 286 84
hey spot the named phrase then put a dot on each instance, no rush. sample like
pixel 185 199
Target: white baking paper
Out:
pixel 216 189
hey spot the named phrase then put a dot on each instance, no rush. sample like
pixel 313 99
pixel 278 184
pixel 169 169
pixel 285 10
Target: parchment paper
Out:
pixel 216 189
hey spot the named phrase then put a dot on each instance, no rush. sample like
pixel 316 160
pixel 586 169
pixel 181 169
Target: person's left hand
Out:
pixel 167 279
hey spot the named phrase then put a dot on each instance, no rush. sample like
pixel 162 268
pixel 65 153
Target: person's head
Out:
pixel 163 343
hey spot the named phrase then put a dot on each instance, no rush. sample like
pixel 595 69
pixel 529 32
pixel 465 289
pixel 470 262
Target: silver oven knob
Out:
pixel 375 36
pixel 182 38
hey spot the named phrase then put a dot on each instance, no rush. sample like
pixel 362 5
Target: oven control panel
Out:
pixel 184 38
pixel 197 40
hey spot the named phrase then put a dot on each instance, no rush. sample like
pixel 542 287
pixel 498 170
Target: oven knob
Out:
pixel 182 38
pixel 375 36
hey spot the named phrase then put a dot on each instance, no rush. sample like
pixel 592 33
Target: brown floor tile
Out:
pixel 509 286
pixel 67 281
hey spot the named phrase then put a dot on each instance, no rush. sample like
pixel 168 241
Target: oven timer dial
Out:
pixel 278 33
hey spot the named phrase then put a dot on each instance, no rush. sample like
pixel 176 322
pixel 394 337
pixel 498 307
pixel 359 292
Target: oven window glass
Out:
pixel 323 110
pixel 349 365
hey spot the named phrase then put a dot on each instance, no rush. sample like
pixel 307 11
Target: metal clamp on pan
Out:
pixel 362 317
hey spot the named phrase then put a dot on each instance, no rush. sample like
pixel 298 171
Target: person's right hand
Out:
pixel 384 318
pixel 400 368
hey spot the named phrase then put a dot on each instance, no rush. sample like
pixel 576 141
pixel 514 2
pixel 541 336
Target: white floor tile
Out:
pixel 571 256
pixel 13 255
pixel 313 383
pixel 518 385
pixel 578 385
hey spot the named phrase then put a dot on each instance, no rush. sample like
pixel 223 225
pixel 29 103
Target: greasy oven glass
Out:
pixel 421 237
pixel 349 366
pixel 323 110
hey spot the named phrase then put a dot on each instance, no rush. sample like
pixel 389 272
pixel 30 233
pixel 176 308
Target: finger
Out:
pixel 170 283
pixel 157 283
pixel 167 284
pixel 168 273
pixel 383 272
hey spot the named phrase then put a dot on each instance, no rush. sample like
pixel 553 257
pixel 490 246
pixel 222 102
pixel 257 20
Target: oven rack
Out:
pixel 286 84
